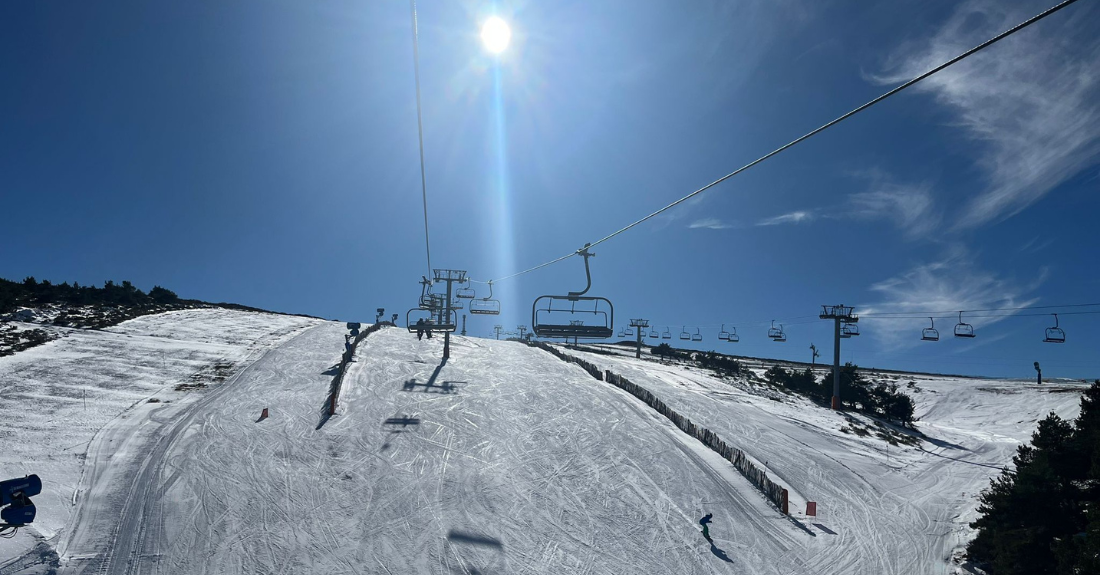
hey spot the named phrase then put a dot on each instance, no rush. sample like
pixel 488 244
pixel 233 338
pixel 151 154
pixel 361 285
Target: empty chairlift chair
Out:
pixel 849 330
pixel 930 333
pixel 653 333
pixel 1055 334
pixel 485 305
pixel 697 336
pixel 723 335
pixel 667 334
pixel 733 337
pixel 630 332
pixel 466 292
pixel 963 329
pixel 684 333
pixel 555 316
pixel 781 337
pixel 774 332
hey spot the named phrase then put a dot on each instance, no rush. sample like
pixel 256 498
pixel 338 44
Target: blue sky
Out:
pixel 266 153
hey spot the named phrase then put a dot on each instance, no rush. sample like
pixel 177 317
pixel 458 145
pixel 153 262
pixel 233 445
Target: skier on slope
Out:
pixel 705 521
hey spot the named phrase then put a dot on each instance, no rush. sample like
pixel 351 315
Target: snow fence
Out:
pixel 338 380
pixel 758 477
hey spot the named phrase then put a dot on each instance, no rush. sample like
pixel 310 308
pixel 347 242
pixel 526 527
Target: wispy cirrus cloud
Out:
pixel 909 206
pixel 710 224
pixel 796 217
pixel 954 282
pixel 1033 100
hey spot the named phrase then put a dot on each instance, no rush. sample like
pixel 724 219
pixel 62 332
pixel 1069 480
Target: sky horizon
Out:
pixel 266 154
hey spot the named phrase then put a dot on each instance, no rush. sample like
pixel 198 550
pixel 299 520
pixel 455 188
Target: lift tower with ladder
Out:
pixel 841 315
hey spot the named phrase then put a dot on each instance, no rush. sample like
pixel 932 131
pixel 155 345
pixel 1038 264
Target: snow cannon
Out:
pixel 15 499
pixel 18 514
pixel 17 490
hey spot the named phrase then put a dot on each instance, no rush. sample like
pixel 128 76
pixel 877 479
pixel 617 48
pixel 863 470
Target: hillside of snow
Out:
pixel 503 459
pixel 80 410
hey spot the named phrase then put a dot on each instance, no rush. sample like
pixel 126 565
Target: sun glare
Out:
pixel 495 35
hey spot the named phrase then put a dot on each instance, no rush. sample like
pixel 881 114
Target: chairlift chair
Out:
pixel 723 335
pixel 466 292
pixel 684 333
pixel 653 333
pixel 733 338
pixel 930 333
pixel 630 332
pixel 775 332
pixel 485 305
pixel 434 321
pixel 782 337
pixel 849 329
pixel 667 334
pixel 697 336
pixel 546 318
pixel 1055 334
pixel 622 332
pixel 963 329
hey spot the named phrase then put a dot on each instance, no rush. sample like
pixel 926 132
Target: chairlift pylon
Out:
pixel 1055 334
pixel 697 336
pixel 963 329
pixel 930 333
pixel 545 324
pixel 684 333
pixel 723 335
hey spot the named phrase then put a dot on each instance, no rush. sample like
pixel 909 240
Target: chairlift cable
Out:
pixel 820 129
pixel 420 134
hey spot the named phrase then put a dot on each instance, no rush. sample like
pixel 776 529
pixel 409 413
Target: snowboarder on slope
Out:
pixel 705 521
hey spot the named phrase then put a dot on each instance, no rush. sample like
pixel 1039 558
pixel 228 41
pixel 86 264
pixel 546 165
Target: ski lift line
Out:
pixel 420 133
pixel 818 130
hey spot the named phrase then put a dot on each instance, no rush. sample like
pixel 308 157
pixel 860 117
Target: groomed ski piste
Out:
pixel 504 459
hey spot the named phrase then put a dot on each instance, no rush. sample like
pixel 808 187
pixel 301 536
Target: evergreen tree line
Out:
pixel 720 363
pixel 857 394
pixel 1043 516
pixel 32 293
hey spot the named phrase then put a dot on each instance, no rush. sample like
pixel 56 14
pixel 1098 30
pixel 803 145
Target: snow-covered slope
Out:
pixel 503 460
pixel 881 508
pixel 77 410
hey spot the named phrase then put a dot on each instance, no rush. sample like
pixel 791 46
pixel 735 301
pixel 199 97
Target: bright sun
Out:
pixel 495 35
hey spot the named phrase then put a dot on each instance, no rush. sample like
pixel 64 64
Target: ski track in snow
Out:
pixel 503 460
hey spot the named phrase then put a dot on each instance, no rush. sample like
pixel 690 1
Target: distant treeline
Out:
pixel 1043 517
pixel 33 293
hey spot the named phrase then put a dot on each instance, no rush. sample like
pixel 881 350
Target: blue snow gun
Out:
pixel 16 508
